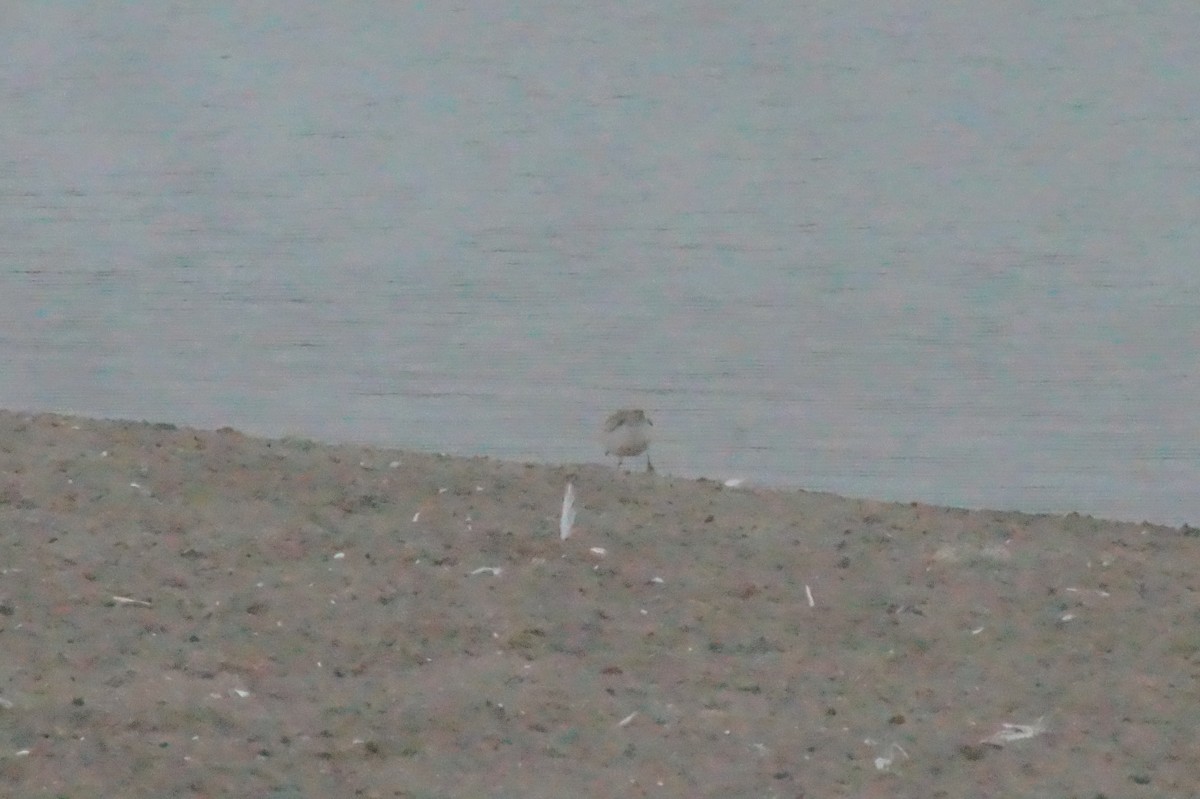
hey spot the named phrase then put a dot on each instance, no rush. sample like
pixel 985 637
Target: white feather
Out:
pixel 568 512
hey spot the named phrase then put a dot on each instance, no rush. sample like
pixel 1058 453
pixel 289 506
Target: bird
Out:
pixel 627 433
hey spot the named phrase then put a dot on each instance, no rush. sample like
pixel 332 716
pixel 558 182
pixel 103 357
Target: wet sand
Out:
pixel 191 613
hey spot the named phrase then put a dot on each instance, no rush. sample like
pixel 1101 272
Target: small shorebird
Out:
pixel 627 433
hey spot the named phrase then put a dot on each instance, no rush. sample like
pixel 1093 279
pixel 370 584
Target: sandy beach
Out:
pixel 189 613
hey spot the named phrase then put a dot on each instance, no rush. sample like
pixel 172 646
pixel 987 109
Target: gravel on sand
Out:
pixel 189 613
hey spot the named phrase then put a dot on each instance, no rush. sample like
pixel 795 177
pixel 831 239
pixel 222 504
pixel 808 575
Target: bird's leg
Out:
pixel 649 465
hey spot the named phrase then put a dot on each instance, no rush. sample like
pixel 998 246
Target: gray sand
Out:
pixel 187 613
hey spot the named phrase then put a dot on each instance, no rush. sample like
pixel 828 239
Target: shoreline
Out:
pixel 204 613
pixel 729 483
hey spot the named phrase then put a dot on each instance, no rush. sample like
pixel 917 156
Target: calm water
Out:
pixel 896 250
